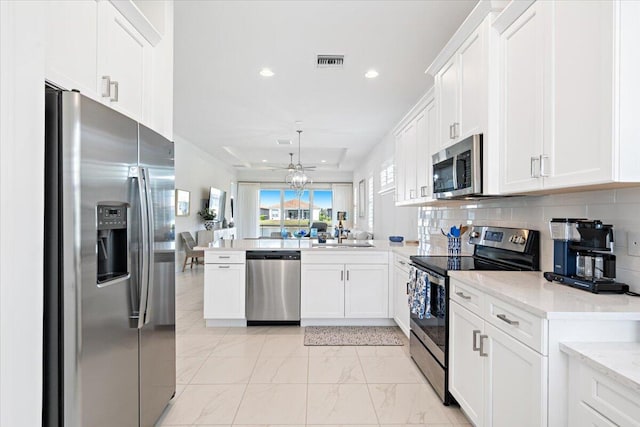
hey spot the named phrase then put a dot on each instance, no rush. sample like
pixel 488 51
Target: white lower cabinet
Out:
pixel 400 302
pixel 331 290
pixel 224 291
pixel 366 291
pixel 497 380
pixel 322 291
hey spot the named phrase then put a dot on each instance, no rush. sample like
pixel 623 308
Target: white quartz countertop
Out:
pixel 530 291
pixel 620 361
pixel 306 244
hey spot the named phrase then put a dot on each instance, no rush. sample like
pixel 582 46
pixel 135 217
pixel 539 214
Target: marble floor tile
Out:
pixel 407 404
pixel 332 351
pixel 285 330
pixel 339 404
pixel 380 351
pixel 390 370
pixel 186 368
pixel 195 345
pixel 335 370
pixel 239 346
pixel 204 404
pixel 273 404
pixel 199 327
pixel 283 370
pixel 284 346
pixel 225 370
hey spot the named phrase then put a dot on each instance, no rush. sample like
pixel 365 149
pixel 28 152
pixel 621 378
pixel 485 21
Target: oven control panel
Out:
pixel 513 239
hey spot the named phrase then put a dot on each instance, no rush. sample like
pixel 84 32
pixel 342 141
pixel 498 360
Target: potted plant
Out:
pixel 208 216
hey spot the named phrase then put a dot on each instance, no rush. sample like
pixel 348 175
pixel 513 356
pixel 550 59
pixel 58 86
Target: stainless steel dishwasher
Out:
pixel 273 287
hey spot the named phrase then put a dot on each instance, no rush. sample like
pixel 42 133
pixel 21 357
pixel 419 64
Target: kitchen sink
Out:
pixel 342 245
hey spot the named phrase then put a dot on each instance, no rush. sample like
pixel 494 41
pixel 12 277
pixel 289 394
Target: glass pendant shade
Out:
pixel 297 179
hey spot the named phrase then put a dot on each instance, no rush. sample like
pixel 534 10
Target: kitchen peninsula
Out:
pixel 347 283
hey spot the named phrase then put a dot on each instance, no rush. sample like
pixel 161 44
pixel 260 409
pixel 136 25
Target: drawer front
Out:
pixel 224 257
pixel 401 262
pixel 613 400
pixel 521 325
pixel 348 256
pixel 467 296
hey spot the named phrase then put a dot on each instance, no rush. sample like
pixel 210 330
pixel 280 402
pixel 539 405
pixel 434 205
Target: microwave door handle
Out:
pixel 455 172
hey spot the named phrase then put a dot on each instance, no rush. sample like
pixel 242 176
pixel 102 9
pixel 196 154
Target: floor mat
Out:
pixel 352 335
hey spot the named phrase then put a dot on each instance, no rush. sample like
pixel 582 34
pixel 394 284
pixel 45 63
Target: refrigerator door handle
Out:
pixel 143 274
pixel 150 248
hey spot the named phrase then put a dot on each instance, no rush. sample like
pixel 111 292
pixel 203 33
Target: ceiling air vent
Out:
pixel 330 61
pixel 284 141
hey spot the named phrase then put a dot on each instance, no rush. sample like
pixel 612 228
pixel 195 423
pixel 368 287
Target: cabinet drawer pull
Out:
pixel 403 263
pixel 347 274
pixel 224 266
pixel 223 257
pixel 543 170
pixel 481 348
pixel 463 296
pixel 342 275
pixel 534 171
pixel 106 86
pixel 504 318
pixel 456 130
pixel 476 332
pixel 412 194
pixel 450 131
pixel 424 191
pixel 114 98
pixel 407 293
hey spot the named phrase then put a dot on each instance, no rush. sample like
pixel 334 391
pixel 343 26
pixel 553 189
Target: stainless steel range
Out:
pixel 496 248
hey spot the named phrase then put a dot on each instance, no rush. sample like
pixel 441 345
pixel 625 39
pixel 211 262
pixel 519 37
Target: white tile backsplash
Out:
pixel 618 207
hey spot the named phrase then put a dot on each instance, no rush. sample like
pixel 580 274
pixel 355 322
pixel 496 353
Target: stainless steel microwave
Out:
pixel 457 170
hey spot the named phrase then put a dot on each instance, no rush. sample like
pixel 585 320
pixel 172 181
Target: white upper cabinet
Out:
pixel 93 47
pixel 447 90
pixel 461 88
pixel 124 63
pixel 567 95
pixel 71 45
pixel 521 112
pixel 415 139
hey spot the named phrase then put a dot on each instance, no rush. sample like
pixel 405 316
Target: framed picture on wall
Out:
pixel 361 199
pixel 183 198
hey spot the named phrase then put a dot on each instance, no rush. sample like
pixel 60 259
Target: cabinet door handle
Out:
pixel 543 170
pixel 481 347
pixel 504 318
pixel 347 274
pixel 114 98
pixel 412 194
pixel 463 296
pixel 224 266
pixel 407 292
pixel 534 170
pixel 342 275
pixel 456 130
pixel 106 86
pixel 476 332
pixel 424 191
pixel 451 132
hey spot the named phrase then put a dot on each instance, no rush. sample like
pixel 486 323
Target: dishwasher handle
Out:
pixel 274 255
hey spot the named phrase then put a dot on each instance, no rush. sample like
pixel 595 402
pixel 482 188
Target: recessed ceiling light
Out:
pixel 264 161
pixel 323 161
pixel 266 72
pixel 371 74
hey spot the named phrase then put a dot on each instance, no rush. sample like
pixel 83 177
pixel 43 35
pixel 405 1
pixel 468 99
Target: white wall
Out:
pixel 197 171
pixel 387 219
pixel 22 203
pixel 621 208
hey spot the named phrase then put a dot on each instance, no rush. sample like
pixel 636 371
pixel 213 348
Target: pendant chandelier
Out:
pixel 297 179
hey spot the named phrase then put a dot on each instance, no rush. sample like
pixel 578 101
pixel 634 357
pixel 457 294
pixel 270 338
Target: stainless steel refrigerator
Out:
pixel 109 342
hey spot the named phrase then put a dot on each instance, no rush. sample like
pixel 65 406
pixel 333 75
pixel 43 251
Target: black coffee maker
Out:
pixel 583 255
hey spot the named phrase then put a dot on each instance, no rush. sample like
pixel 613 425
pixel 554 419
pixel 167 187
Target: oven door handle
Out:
pixel 455 173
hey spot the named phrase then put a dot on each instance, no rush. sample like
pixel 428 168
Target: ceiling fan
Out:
pixel 291 167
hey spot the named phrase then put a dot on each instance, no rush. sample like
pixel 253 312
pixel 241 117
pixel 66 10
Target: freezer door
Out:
pixel 157 336
pixel 98 145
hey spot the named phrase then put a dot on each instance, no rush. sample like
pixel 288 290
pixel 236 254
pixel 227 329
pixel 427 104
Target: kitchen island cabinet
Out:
pixel 511 330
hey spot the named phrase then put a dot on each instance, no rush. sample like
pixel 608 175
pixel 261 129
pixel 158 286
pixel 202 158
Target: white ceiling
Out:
pixel 224 106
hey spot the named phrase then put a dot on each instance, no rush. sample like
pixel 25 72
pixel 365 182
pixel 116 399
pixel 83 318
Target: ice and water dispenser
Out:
pixel 112 242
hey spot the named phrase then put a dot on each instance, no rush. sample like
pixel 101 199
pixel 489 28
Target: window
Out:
pixel 370 203
pixel 282 208
pixel 386 176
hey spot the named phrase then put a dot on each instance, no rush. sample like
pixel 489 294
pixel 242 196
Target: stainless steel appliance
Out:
pixel 109 342
pixel 273 287
pixel 457 170
pixel 583 255
pixel 496 248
